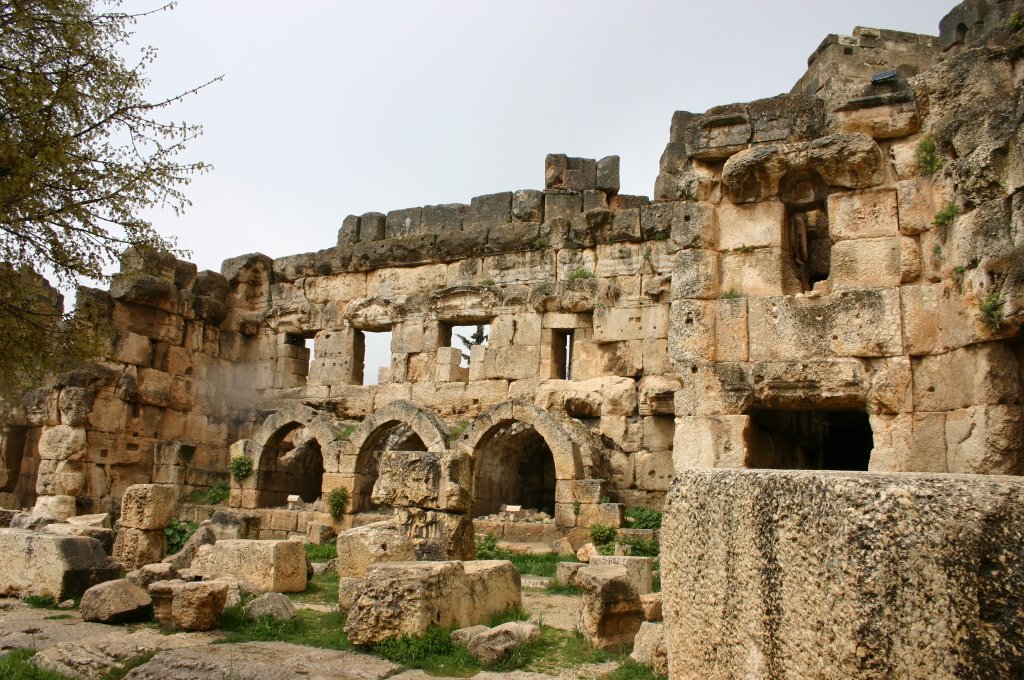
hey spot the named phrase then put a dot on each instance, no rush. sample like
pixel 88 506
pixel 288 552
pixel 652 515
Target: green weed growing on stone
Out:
pixel 944 218
pixel 991 310
pixel 602 534
pixel 178 533
pixel 241 467
pixel 928 161
pixel 337 501
pixel 580 273
pixel 643 518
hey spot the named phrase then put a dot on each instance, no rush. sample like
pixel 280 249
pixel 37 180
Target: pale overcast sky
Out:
pixel 335 108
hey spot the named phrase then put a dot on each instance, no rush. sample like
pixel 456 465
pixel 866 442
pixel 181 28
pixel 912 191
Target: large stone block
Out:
pixel 639 570
pixel 406 597
pixel 804 574
pixel 135 548
pixel 148 506
pixel 362 547
pixel 862 214
pixel 612 611
pixel 757 225
pixel 270 566
pixel 47 564
pixel 866 263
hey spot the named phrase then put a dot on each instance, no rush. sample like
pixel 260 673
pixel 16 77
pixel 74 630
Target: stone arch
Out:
pixel 534 433
pixel 410 427
pixel 295 451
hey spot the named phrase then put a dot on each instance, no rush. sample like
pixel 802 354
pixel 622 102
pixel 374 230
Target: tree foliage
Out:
pixel 83 153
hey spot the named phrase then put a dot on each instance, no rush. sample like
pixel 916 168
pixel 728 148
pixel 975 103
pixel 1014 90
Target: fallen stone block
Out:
pixel 62 567
pixel 348 591
pixel 649 647
pixel 162 593
pixel 462 636
pixel 270 566
pixel 652 604
pixel 197 606
pixel 562 546
pixel 851 575
pixel 565 572
pixel 612 612
pixel 148 506
pixel 407 597
pixel 491 646
pixel 586 552
pixel 182 559
pixel 151 573
pixel 104 536
pixel 135 548
pixel 362 547
pixel 639 569
pixel 117 601
pixel 57 508
pixel 274 605
pixel 99 521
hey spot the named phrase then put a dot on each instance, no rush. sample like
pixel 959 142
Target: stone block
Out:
pixel 612 612
pixel 731 330
pixel 362 547
pixel 649 647
pixel 489 211
pixel 915 206
pixel 148 506
pixel 528 206
pixel 652 604
pixel 135 548
pixel 762 272
pixel 692 330
pixel 441 219
pixel 406 597
pixel 402 223
pixel 372 226
pixel 863 214
pixel 695 274
pixel 565 572
pixel 639 570
pixel 562 205
pixel 197 606
pixel 116 602
pixel 878 117
pixel 44 564
pixel 757 225
pixel 59 508
pixel 424 479
pixel 270 566
pixel 836 545
pixel 608 174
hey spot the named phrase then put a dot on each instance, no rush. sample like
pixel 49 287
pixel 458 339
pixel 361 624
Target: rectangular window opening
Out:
pixel 371 351
pixel 464 336
pixel 562 353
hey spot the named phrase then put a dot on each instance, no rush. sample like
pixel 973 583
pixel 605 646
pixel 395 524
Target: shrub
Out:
pixel 457 430
pixel 745 249
pixel 660 236
pixel 178 533
pixel 991 309
pixel 928 161
pixel 944 218
pixel 487 548
pixel 643 518
pixel 487 282
pixel 602 534
pixel 640 547
pixel 241 467
pixel 337 501
pixel 1015 22
pixel 730 295
pixel 40 601
pixel 218 493
pixel 580 273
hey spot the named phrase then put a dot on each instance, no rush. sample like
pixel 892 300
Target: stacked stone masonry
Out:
pixel 787 299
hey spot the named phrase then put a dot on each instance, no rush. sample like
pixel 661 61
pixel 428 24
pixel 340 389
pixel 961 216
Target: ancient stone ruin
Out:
pixel 829 279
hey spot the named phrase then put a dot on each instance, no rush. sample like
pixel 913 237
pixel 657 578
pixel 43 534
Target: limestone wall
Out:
pixel 797 276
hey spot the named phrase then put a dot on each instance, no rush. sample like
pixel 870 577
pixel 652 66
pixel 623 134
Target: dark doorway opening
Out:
pixel 810 440
pixel 514 466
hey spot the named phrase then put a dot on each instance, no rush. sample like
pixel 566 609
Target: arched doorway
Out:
pixel 514 466
pixel 291 463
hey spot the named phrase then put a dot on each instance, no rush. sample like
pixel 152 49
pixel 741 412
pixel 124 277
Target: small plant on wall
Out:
pixel 241 467
pixel 337 502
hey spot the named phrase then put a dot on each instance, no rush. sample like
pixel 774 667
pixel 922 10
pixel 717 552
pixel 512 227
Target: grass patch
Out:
pixel 513 613
pixel 557 650
pixel 539 565
pixel 631 670
pixel 731 295
pixel 41 601
pixel 321 552
pixel 118 672
pixel 434 652
pixel 314 629
pixel 58 617
pixel 16 666
pixel 559 588
pixel 643 518
pixel 641 547
pixel 321 589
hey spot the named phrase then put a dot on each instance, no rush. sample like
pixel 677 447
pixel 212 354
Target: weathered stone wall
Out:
pixel 797 574
pixel 791 262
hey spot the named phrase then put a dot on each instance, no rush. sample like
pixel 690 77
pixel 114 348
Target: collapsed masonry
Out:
pixel 798 294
